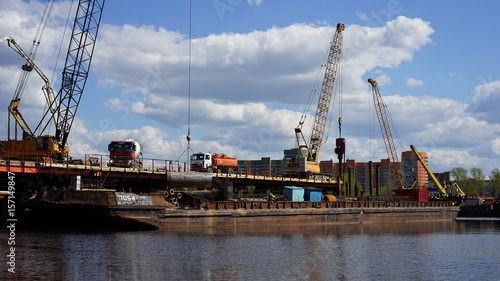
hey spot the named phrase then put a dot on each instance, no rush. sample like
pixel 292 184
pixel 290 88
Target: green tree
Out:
pixel 477 180
pixel 385 191
pixel 494 186
pixel 460 177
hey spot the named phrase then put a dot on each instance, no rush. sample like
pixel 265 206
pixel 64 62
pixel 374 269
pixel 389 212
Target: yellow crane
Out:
pixel 439 187
pixel 380 108
pixel 14 104
pixel 30 143
pixel 61 108
pixel 308 153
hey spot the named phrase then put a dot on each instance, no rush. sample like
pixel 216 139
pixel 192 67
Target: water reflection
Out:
pixel 328 229
pixel 399 251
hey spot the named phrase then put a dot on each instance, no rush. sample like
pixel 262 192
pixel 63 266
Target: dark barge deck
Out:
pixel 119 210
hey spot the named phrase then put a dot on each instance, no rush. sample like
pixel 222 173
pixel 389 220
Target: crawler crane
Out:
pixel 61 108
pixel 305 158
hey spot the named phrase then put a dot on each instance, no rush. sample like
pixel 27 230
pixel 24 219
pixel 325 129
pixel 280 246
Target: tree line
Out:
pixel 477 184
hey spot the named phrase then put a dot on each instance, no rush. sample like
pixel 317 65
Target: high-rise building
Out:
pixel 443 177
pixel 413 169
pixel 361 174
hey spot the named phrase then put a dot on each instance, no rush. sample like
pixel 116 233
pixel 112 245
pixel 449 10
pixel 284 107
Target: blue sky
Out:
pixel 253 66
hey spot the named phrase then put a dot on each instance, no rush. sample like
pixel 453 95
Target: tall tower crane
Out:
pixel 309 153
pixel 62 108
pixel 380 108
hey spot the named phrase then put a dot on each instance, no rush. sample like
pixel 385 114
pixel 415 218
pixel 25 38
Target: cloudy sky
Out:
pixel 254 64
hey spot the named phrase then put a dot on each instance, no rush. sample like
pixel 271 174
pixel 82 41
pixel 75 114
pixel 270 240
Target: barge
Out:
pixel 476 209
pixel 107 209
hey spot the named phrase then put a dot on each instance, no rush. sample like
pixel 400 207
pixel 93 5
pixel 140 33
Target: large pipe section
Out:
pixel 189 180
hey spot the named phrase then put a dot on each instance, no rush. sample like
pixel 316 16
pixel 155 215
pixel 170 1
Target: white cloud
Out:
pixel 412 82
pixel 495 146
pixel 454 158
pixel 254 2
pixel 249 89
pixel 485 102
pixel 259 66
pixel 362 16
pixel 459 131
pixel 383 78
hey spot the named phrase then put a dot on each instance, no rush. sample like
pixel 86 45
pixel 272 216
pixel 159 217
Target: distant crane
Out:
pixel 380 108
pixel 310 152
pixel 438 185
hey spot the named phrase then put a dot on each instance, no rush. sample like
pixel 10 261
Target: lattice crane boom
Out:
pixel 77 65
pixel 324 101
pixel 325 97
pixel 380 108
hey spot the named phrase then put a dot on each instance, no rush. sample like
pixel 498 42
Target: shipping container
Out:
pixel 420 195
pixel 294 193
pixel 312 194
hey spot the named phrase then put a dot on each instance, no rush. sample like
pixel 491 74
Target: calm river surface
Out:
pixel 405 251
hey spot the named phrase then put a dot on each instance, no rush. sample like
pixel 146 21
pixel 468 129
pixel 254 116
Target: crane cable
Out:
pixel 337 91
pixel 24 76
pixel 189 78
pixel 21 84
pixel 313 90
pixel 188 136
pixel 370 138
pixel 59 55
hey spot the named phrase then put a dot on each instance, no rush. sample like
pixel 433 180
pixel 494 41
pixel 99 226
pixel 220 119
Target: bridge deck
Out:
pixel 55 168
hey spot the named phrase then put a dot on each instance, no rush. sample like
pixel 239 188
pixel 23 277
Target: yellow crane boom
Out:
pixel 429 172
pixel 47 89
pixel 320 119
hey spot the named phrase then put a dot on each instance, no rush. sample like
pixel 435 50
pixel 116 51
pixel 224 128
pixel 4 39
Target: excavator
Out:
pixel 438 185
pixel 30 142
pixel 61 108
pixel 304 158
pixel 387 135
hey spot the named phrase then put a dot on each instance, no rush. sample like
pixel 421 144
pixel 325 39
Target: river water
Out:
pixel 445 250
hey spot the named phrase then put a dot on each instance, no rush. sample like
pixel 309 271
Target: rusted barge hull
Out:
pixel 242 217
pixel 103 210
pixel 480 212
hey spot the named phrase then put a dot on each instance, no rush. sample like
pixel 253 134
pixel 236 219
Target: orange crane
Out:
pixel 306 160
pixel 380 108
